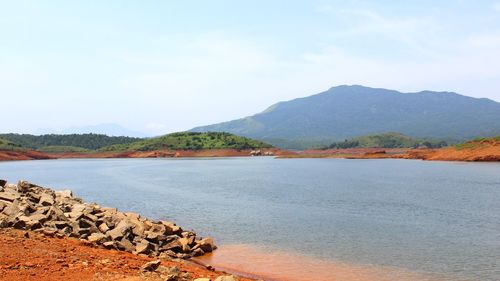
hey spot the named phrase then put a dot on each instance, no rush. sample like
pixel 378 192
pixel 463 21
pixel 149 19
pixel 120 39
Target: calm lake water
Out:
pixel 440 218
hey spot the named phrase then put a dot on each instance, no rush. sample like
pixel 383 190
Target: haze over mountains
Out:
pixel 109 129
pixel 348 111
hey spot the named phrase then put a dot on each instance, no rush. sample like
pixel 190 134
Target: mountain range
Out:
pixel 344 112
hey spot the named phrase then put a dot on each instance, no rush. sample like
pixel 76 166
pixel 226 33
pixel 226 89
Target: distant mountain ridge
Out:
pixel 344 112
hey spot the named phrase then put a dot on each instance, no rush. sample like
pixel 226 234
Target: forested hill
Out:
pixel 387 140
pixel 70 142
pixel 190 141
pixel 103 143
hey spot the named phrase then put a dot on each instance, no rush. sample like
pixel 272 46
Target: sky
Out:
pixel 163 66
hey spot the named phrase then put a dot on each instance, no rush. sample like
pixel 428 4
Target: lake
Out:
pixel 440 220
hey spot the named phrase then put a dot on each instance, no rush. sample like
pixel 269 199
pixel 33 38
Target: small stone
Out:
pixel 65 193
pixel 227 278
pixel 151 266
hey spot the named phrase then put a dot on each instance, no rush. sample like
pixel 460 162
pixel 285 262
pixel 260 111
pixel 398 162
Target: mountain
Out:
pixel 344 112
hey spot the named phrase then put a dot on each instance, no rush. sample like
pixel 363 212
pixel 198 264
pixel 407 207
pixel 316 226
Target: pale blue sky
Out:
pixel 163 66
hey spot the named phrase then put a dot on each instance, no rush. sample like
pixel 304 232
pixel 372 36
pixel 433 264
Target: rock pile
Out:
pixel 57 213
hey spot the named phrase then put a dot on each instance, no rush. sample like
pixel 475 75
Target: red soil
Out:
pixel 46 258
pixel 350 153
pixel 6 155
pixel 486 150
pixel 32 155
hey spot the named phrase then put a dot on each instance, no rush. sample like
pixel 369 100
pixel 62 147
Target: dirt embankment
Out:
pixel 173 153
pixel 9 155
pixel 350 153
pixel 34 155
pixel 484 150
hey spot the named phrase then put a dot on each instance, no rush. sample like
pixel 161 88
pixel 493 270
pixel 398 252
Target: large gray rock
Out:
pixel 206 244
pixel 97 238
pixel 46 200
pixel 122 229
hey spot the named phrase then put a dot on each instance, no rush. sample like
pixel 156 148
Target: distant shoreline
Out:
pixel 487 150
pixel 8 155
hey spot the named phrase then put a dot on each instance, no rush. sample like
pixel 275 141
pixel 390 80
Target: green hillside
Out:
pixel 9 145
pixel 188 141
pixel 387 140
pixel 61 148
pixel 84 141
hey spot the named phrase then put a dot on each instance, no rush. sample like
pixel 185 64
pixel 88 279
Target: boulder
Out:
pixel 206 244
pixel 174 246
pixel 97 238
pixel 103 227
pixel 144 247
pixel 125 245
pixel 8 196
pixel 171 228
pixel 23 186
pixel 122 229
pixel 2 205
pixel 46 200
pixel 184 244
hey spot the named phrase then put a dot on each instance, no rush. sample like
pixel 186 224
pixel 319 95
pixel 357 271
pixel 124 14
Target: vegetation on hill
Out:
pixel 9 145
pixel 345 112
pixel 190 141
pixel 83 141
pixel 478 143
pixel 387 140
pixel 61 148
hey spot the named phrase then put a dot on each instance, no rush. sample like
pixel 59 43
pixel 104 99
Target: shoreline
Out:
pixel 8 155
pixel 479 150
pixel 486 153
pixel 39 227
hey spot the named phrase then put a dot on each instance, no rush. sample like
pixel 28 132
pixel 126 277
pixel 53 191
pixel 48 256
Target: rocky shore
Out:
pixel 58 214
